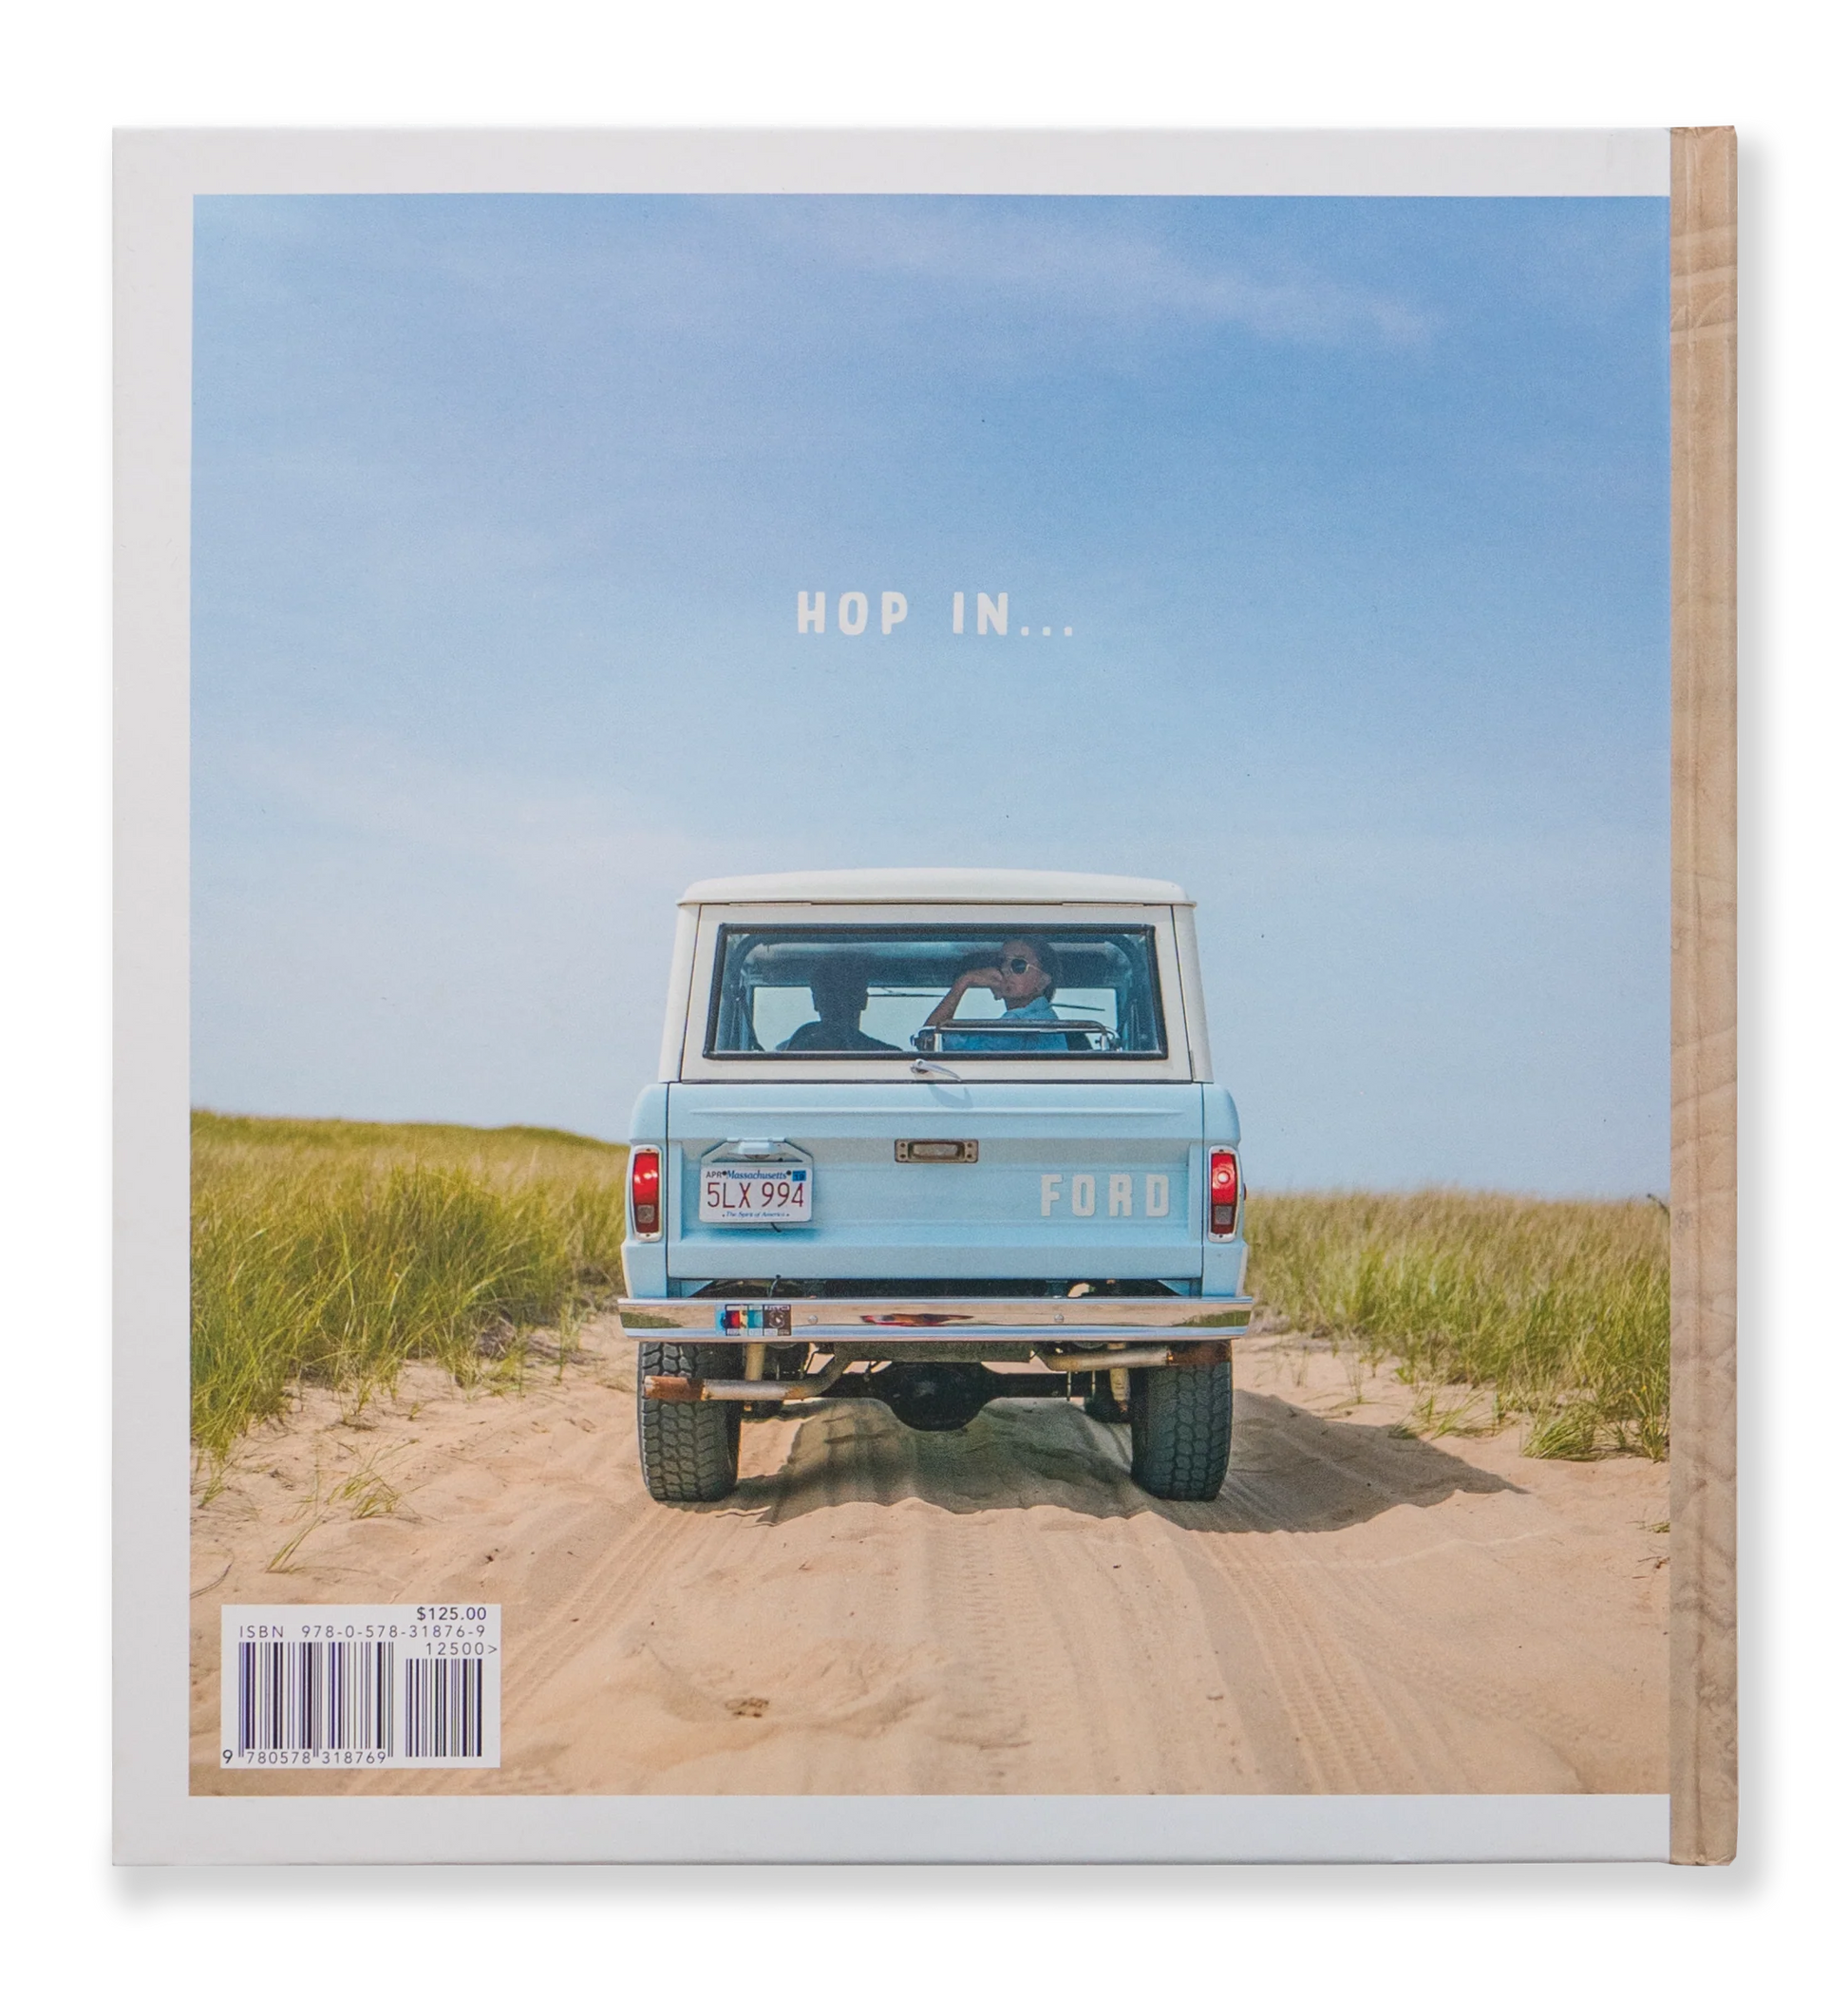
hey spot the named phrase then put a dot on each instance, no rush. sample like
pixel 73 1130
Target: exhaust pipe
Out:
pixel 1107 1359
pixel 706 1390
pixel 1155 1356
pixel 728 1390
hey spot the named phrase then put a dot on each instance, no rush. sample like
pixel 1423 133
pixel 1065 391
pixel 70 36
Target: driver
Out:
pixel 839 992
pixel 1023 976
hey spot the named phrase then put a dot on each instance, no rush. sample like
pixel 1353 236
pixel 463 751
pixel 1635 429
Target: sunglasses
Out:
pixel 1019 965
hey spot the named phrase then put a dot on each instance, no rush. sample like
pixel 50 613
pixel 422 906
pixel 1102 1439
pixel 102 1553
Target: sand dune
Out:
pixel 998 1610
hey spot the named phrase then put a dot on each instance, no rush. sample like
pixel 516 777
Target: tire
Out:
pixel 1180 1431
pixel 1101 1401
pixel 690 1453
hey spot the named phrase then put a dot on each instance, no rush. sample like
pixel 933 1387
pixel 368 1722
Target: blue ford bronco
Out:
pixel 912 1126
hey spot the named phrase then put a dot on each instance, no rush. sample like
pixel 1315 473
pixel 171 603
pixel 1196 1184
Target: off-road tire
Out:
pixel 690 1453
pixel 1100 1401
pixel 1181 1430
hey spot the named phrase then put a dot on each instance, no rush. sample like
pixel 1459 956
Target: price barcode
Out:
pixel 442 1708
pixel 357 1687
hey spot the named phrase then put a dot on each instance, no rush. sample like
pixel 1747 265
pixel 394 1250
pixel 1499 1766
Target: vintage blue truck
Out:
pixel 911 1125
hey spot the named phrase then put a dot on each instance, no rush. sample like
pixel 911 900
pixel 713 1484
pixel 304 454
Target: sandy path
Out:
pixel 999 1610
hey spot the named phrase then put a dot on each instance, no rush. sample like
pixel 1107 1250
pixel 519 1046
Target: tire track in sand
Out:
pixel 1002 1610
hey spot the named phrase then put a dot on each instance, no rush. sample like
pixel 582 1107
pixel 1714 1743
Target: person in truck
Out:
pixel 1023 976
pixel 838 994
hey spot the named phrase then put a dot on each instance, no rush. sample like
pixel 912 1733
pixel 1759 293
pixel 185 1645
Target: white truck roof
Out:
pixel 963 886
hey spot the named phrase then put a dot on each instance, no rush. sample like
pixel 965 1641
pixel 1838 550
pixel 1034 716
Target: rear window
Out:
pixel 970 991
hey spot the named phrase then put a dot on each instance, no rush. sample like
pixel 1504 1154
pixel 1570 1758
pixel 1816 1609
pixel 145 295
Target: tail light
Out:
pixel 645 1194
pixel 1223 1193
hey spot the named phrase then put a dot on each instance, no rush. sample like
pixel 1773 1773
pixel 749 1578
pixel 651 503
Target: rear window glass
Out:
pixel 964 992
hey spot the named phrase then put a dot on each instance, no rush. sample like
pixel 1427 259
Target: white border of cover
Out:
pixel 157 1819
pixel 179 164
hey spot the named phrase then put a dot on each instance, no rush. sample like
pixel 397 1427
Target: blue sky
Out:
pixel 1356 509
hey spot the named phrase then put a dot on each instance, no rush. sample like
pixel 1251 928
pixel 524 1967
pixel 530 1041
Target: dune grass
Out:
pixel 335 1253
pixel 1554 1312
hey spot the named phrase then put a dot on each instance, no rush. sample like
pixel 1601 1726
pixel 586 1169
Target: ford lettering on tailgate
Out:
pixel 1080 1198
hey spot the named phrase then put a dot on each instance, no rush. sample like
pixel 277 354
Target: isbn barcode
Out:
pixel 316 1695
pixel 345 1687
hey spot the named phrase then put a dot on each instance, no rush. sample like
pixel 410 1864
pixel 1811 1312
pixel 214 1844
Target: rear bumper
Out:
pixel 882 1319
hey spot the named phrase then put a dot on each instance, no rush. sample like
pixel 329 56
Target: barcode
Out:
pixel 316 1694
pixel 442 1708
pixel 338 1688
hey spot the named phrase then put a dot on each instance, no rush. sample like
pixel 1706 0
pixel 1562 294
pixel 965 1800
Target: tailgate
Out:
pixel 1069 1181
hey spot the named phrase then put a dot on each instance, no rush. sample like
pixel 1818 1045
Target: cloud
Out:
pixel 1093 270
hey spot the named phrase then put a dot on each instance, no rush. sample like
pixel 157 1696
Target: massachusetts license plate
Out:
pixel 757 1194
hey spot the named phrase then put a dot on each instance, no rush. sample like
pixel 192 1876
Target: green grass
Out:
pixel 335 1253
pixel 1550 1311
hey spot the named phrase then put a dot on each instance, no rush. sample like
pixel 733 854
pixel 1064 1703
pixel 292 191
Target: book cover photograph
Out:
pixel 926 996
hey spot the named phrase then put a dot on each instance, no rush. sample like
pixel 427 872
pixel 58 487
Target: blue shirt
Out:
pixel 1025 1042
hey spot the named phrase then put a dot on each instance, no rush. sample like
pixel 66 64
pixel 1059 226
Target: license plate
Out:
pixel 757 1194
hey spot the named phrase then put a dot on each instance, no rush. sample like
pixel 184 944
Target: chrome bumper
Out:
pixel 955 1320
